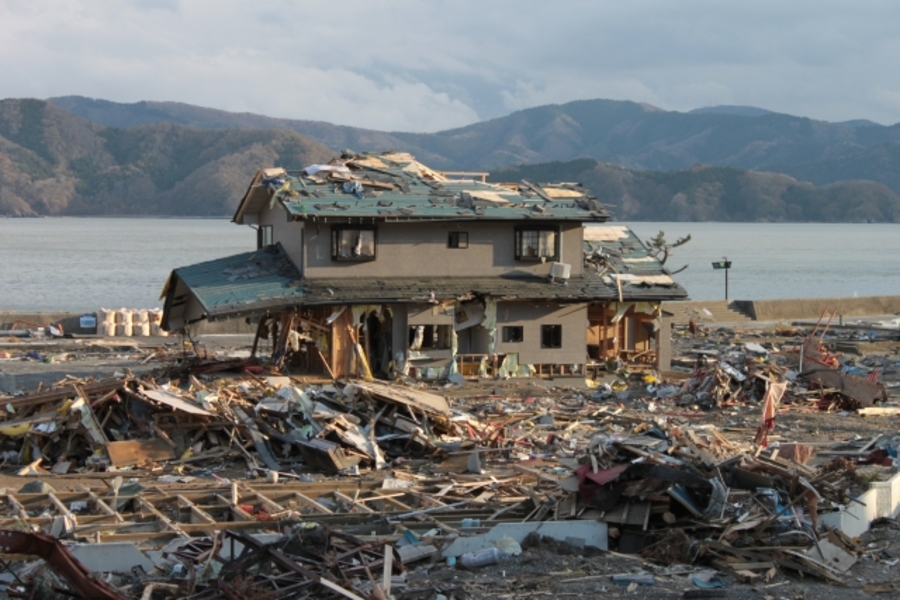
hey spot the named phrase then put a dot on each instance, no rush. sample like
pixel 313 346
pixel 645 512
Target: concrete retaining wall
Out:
pixel 809 308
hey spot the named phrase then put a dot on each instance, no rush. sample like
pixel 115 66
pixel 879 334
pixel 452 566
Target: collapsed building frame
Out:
pixel 375 265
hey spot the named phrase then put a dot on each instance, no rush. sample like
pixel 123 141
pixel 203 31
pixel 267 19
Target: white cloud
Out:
pixel 423 66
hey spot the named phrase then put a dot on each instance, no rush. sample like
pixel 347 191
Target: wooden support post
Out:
pixel 259 328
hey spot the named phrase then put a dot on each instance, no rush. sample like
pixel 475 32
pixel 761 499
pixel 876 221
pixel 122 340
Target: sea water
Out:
pixel 82 264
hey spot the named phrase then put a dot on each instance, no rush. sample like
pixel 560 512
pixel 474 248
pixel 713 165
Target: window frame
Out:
pixel 461 240
pixel 508 338
pixel 336 231
pixel 556 334
pixel 262 233
pixel 518 241
pixel 434 337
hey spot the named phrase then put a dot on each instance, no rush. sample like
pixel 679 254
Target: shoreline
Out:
pixel 706 311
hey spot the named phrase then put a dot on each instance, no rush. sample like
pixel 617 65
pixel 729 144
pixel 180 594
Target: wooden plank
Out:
pixel 313 503
pixel 196 511
pixel 102 505
pixel 388 568
pixel 353 502
pixel 167 523
pixel 134 452
pixel 878 411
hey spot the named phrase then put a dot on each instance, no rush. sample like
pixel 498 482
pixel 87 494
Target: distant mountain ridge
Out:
pixel 628 134
pixel 78 156
pixel 707 193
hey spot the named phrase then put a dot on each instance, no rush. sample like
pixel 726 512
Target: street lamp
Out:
pixel 723 264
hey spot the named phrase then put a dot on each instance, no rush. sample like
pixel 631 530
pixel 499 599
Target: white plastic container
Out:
pixel 482 558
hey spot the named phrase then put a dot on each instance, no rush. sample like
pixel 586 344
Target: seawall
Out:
pixel 783 310
pixel 807 308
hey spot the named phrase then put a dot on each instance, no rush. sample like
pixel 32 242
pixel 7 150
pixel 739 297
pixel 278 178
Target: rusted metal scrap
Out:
pixel 61 560
pixel 822 368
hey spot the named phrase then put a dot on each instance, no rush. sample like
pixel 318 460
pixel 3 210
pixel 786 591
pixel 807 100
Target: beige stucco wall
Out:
pixel 429 314
pixel 530 316
pixel 420 250
pixel 289 233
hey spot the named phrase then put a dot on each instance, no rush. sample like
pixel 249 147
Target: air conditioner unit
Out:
pixel 560 270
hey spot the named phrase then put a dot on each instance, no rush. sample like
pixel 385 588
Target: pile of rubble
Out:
pixel 222 480
pixel 812 369
pixel 134 421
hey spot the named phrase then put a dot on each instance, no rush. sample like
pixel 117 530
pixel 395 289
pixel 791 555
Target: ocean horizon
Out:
pixel 80 264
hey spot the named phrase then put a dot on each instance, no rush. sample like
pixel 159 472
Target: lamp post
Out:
pixel 723 264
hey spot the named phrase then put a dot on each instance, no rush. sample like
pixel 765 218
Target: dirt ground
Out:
pixel 550 569
pixel 555 570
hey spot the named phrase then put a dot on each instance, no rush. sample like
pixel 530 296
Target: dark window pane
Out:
pixel 353 244
pixel 535 244
pixel 551 336
pixel 513 334
pixel 458 239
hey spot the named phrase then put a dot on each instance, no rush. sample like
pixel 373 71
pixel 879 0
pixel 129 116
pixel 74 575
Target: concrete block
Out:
pixel 114 557
pixel 882 499
pixel 414 552
pixel 577 533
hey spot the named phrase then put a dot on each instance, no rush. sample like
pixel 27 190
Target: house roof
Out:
pixel 396 187
pixel 621 258
pixel 254 282
pixel 239 284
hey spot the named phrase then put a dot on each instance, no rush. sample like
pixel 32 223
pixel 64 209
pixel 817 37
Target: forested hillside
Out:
pixel 176 159
pixel 55 163
pixel 705 193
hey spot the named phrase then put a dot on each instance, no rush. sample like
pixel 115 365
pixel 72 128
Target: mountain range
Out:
pixel 76 155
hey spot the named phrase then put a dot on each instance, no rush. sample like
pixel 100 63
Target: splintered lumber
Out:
pixel 421 400
pixel 135 452
pixel 259 441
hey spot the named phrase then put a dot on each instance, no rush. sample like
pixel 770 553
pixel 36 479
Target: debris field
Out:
pixel 223 478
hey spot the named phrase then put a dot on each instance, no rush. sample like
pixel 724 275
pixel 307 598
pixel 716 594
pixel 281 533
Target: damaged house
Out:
pixel 376 265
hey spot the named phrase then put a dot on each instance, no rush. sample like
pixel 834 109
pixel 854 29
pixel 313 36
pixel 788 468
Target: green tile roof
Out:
pixel 242 283
pixel 396 187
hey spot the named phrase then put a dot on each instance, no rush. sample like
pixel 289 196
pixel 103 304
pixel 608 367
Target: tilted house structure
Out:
pixel 377 264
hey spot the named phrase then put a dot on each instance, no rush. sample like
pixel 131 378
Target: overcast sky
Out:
pixel 429 65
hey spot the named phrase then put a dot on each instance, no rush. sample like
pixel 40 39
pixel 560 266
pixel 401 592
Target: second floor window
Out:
pixel 458 239
pixel 353 243
pixel 264 236
pixel 537 244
